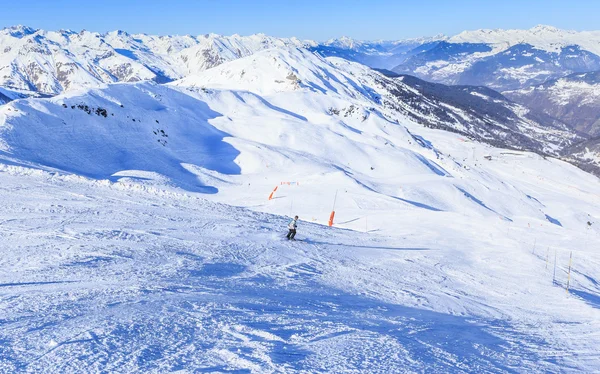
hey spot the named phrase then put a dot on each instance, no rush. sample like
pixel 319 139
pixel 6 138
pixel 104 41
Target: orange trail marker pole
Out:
pixel 332 215
pixel 272 193
pixel 569 277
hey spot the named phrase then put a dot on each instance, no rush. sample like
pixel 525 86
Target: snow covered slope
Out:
pixel 274 109
pixel 143 268
pixel 145 128
pixel 117 277
pixel 476 112
pixel 575 99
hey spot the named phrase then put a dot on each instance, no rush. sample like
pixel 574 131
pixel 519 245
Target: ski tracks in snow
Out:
pixel 107 280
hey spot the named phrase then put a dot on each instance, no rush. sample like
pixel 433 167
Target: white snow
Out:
pixel 123 249
pixel 547 38
pixel 53 62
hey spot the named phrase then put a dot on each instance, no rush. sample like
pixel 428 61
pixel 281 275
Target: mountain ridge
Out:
pixel 66 59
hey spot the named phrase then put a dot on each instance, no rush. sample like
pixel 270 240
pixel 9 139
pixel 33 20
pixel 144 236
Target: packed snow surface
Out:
pixel 136 234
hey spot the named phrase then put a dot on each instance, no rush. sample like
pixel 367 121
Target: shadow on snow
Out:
pixel 126 140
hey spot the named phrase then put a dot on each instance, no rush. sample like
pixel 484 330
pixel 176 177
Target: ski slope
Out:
pixel 137 234
pixel 100 276
pixel 115 277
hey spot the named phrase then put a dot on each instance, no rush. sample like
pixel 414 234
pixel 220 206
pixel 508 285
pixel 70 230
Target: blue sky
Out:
pixel 310 19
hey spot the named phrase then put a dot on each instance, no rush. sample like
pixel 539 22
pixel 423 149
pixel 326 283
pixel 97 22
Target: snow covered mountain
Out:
pixel 519 66
pixel 574 99
pixel 475 112
pixel 499 59
pixel 129 259
pixel 506 59
pixel 51 62
pixel 279 104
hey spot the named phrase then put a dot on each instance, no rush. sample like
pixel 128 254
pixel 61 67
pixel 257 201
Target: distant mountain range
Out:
pixel 499 59
pixel 52 62
pixel 376 54
pixel 551 71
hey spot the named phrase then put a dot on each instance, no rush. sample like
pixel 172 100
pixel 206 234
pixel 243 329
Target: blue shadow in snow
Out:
pixel 98 148
pixel 553 220
pixel 534 199
pixel 350 128
pixel 269 105
pixel 33 283
pixel 421 140
pixel 413 203
pixel 590 298
pixel 418 204
pixel 433 166
pixel 428 339
pixel 127 53
pixel 218 270
pixel 481 203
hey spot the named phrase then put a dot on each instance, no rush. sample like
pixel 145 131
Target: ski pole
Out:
pixel 569 276
pixel 334 200
pixel 554 275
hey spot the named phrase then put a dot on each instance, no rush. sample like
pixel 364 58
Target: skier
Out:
pixel 292 227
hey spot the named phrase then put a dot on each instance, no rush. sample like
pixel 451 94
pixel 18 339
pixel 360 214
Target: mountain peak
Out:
pixel 343 42
pixel 546 29
pixel 19 31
